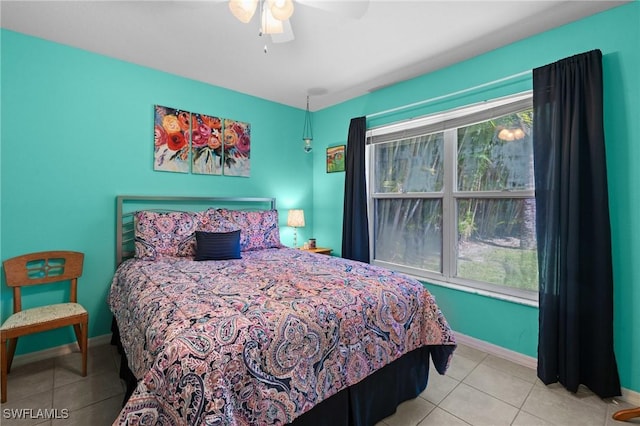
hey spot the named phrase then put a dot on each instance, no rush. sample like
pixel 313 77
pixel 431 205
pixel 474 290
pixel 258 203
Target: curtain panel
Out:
pixel 575 343
pixel 355 224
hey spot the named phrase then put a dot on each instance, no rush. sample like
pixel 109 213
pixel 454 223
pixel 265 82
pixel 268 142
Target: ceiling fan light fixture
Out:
pixel 269 24
pixel 243 10
pixel 281 9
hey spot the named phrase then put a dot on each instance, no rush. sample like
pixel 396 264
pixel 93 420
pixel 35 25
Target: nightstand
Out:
pixel 321 250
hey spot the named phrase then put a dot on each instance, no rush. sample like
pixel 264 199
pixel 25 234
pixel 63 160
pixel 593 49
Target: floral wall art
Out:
pixel 171 140
pixel 237 148
pixel 206 145
pixel 201 143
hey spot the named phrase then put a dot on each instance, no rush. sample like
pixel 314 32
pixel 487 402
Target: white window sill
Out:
pixel 480 292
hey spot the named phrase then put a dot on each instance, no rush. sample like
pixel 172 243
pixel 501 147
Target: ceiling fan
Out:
pixel 274 15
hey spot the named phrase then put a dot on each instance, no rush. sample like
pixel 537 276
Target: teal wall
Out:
pixel 617 34
pixel 77 130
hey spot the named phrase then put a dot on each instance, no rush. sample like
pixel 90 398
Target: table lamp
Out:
pixel 295 219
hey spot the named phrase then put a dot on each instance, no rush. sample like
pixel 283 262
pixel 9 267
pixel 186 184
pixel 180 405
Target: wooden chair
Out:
pixel 628 414
pixel 35 269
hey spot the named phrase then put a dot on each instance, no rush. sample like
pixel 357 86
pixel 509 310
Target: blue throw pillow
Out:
pixel 217 245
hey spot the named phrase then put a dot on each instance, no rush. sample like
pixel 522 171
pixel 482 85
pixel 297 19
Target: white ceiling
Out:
pixel 333 57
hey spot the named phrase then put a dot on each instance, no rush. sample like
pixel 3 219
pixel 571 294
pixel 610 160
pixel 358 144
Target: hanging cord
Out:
pixel 448 95
pixel 307 130
pixel 262 21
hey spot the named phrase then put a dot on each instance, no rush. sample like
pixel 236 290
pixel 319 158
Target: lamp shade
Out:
pixel 295 218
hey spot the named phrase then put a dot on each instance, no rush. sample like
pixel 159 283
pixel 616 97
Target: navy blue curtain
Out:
pixel 355 226
pixel 575 344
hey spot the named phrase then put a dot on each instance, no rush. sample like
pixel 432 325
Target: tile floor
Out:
pixel 478 389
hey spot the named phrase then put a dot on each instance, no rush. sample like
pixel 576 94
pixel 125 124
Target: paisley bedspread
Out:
pixel 262 339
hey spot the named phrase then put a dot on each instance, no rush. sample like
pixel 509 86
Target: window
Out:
pixel 451 197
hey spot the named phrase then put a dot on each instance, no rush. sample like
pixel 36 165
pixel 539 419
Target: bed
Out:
pixel 219 323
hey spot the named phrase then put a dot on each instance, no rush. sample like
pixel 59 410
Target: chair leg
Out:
pixel 12 351
pixel 82 337
pixel 3 378
pixel 85 345
pixel 78 331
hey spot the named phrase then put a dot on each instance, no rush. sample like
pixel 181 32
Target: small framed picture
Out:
pixel 336 158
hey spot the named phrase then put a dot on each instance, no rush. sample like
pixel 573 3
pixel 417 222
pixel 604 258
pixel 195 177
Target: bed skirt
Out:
pixel 363 404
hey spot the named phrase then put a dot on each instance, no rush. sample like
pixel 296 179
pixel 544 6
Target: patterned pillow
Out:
pixel 211 221
pixel 164 234
pixel 258 229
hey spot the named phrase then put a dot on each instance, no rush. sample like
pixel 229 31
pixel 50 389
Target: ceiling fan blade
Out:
pixel 286 35
pixel 351 9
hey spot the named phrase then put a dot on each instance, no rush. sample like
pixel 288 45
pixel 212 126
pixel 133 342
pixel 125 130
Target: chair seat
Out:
pixel 42 314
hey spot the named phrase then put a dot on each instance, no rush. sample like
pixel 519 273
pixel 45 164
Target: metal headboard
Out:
pixel 127 205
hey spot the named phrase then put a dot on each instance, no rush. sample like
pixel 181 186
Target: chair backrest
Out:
pixel 43 268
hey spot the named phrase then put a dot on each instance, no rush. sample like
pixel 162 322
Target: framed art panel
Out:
pixel 336 158
pixel 172 132
pixel 237 148
pixel 206 145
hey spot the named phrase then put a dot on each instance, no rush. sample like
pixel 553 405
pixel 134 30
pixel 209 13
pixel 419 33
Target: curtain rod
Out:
pixel 448 95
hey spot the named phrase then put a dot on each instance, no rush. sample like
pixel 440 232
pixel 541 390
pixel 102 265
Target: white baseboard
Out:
pixel 499 351
pixel 59 350
pixel 632 397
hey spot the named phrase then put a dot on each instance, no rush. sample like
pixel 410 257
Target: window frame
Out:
pixel 447 122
